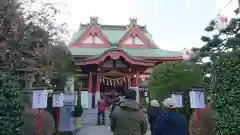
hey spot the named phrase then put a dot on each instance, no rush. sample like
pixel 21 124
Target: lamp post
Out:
pixel 57 103
pixel 39 100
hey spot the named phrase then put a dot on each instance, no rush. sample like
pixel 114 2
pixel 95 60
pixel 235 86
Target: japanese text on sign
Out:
pixel 39 99
pixel 58 100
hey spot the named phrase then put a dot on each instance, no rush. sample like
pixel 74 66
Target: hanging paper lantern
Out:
pixel 221 22
pixel 186 54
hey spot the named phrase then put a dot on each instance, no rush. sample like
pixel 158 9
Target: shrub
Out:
pixel 78 110
pixel 225 88
pixel 10 105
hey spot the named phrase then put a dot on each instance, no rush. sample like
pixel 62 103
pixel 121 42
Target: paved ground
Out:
pixel 100 130
pixel 93 130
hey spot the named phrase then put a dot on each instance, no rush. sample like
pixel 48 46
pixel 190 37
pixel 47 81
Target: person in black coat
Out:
pixel 114 103
pixel 153 113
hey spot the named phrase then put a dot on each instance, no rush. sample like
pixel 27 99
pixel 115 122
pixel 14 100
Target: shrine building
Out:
pixel 115 57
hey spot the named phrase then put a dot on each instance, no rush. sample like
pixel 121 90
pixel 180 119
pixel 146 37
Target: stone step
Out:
pixel 89 117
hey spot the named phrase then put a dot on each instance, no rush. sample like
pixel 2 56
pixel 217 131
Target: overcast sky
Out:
pixel 174 24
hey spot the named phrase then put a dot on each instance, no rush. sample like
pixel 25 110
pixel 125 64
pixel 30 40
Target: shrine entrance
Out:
pixel 113 71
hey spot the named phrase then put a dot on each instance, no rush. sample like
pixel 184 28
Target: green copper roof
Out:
pixel 130 51
pixel 113 33
pixel 113 49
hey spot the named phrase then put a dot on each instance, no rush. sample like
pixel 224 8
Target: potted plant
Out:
pixel 77 113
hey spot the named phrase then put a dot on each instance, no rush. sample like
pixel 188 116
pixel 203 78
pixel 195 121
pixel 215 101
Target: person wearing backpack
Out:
pixel 128 118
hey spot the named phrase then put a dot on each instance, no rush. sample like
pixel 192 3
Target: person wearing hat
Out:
pixel 153 112
pixel 170 122
pixel 128 118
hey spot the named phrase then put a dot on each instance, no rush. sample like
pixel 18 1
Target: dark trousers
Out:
pixel 101 114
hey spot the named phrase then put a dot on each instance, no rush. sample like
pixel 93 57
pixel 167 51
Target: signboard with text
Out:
pixel 178 99
pixel 197 99
pixel 57 100
pixel 39 99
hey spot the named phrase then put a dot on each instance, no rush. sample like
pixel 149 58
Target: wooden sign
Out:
pixel 39 99
pixel 197 99
pixel 57 100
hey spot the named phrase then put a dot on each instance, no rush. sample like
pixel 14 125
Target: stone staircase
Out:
pixel 89 117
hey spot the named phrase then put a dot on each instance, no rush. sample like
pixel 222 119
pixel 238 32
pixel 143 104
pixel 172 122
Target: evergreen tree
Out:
pixel 174 77
pixel 223 50
pixel 177 77
pixel 10 105
pixel 31 43
pixel 224 40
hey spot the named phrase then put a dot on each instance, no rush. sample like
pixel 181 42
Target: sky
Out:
pixel 174 24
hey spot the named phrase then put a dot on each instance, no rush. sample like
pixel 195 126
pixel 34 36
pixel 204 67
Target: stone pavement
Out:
pixel 93 130
pixel 100 130
pixel 89 120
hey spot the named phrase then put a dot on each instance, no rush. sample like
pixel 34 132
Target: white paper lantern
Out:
pixel 186 53
pixel 221 22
